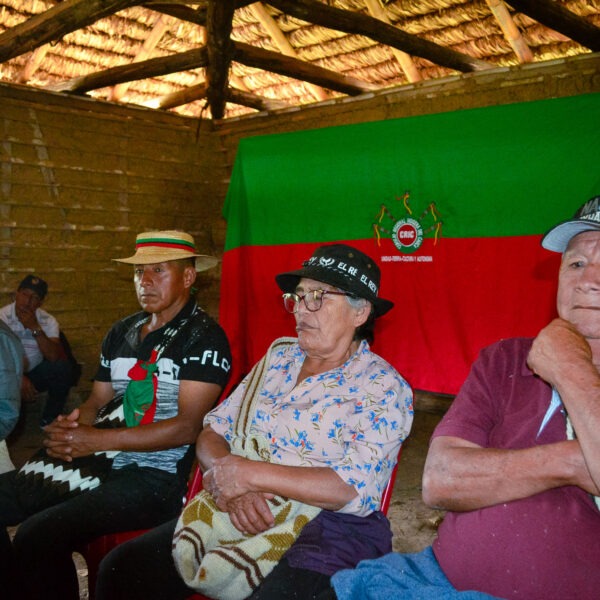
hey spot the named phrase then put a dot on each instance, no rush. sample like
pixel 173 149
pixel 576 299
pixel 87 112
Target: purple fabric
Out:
pixel 334 541
pixel 544 547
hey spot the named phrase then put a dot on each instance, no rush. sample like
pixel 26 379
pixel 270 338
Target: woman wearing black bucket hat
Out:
pixel 328 417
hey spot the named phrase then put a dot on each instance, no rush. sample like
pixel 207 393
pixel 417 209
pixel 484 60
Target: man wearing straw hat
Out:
pixel 169 363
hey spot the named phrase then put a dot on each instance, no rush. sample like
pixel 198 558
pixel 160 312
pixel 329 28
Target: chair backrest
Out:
pixel 194 485
pixel 386 497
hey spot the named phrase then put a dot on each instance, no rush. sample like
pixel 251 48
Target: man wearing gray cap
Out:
pixel 516 459
pixel 46 367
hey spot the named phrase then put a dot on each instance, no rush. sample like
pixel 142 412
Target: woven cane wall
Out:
pixel 79 180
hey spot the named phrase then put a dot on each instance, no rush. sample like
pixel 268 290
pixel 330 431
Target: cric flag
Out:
pixel 451 206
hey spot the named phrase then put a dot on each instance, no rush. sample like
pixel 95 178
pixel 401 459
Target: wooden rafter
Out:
pixel 180 10
pixel 253 101
pixel 160 27
pixel 237 96
pixel 193 59
pixel 41 34
pixel 219 46
pixel 33 62
pixel 404 60
pixel 185 96
pixel 351 22
pixel 292 67
pixel 557 17
pixel 510 30
pixel 271 27
pixel 154 67
pixel 56 22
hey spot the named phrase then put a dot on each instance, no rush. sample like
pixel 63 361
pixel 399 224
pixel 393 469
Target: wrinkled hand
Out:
pixel 28 390
pixel 250 513
pixel 67 439
pixel 558 346
pixel 226 480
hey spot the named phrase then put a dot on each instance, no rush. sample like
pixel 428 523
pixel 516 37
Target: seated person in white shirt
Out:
pixel 46 367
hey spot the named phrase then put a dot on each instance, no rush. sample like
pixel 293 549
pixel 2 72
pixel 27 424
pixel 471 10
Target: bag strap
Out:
pixel 171 333
pixel 254 385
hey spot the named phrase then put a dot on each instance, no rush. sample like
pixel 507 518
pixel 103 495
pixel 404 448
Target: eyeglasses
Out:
pixel 313 300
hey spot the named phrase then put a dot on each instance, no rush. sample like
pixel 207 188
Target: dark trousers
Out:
pixel 55 378
pixel 291 583
pixel 38 564
pixel 143 568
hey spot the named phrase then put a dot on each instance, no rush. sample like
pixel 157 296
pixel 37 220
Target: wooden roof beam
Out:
pixel 318 13
pixel 557 17
pixel 33 63
pixel 184 96
pixel 510 30
pixel 253 100
pixel 180 10
pixel 236 96
pixel 271 27
pixel 160 28
pixel 298 69
pixel 404 60
pixel 219 46
pixel 154 67
pixel 56 22
pixel 193 59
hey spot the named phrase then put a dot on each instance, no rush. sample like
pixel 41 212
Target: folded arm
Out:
pixel 230 478
pixel 562 356
pixel 462 476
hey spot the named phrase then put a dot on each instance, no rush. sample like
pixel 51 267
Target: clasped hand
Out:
pixel 227 482
pixel 557 349
pixel 67 439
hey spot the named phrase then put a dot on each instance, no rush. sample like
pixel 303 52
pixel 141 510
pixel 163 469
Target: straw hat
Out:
pixel 162 246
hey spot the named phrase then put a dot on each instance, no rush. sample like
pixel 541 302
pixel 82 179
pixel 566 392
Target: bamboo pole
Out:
pixel 404 60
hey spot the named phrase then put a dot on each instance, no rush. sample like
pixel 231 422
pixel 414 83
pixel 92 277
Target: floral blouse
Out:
pixel 352 419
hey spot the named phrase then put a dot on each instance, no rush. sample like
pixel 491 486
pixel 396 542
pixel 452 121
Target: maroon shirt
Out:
pixel 543 547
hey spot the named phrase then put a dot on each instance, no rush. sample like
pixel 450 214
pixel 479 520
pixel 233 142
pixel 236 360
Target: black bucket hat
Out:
pixel 587 218
pixel 344 267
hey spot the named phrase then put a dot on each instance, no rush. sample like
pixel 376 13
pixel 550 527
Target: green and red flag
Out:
pixel 452 207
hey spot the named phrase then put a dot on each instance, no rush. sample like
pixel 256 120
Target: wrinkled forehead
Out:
pixel 306 284
pixel 582 241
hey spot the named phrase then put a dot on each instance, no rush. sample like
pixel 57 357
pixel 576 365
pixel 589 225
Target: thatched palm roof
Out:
pixel 232 57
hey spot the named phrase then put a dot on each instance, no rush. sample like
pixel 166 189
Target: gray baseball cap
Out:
pixel 587 218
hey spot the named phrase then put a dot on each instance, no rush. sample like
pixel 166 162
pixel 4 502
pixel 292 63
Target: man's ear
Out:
pixel 189 276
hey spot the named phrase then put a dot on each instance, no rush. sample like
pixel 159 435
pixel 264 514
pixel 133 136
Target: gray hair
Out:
pixel 357 303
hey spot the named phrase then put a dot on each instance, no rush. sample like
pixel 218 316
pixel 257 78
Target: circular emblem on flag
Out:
pixel 407 235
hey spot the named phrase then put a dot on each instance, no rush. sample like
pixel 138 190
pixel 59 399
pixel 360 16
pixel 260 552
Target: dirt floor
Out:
pixel 413 524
